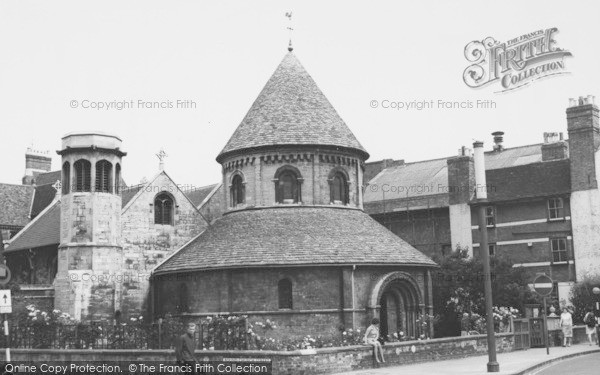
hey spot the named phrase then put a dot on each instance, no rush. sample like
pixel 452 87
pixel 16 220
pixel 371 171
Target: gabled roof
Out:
pixel 48 178
pixel 291 110
pixel 44 195
pixel 44 230
pixel 16 202
pixel 132 193
pixel 198 195
pixel 425 183
pixel 293 236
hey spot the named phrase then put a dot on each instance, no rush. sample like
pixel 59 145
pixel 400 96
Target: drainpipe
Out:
pixel 353 299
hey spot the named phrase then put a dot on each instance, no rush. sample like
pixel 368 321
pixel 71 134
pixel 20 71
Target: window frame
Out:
pixel 82 176
pixel 104 171
pixel 554 252
pixel 296 188
pixel 66 178
pixel 491 216
pixel 162 221
pixel 236 190
pixel 344 186
pixel 559 211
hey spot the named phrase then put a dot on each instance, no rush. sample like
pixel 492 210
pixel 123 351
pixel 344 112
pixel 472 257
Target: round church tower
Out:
pixel 90 227
pixel 292 148
pixel 294 245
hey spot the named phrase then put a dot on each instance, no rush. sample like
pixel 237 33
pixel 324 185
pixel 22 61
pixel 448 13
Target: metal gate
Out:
pixel 521 331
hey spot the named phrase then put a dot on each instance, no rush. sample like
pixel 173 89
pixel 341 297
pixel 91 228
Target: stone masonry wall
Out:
pixel 146 244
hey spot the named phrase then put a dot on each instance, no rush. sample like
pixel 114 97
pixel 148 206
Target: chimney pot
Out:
pixel 498 139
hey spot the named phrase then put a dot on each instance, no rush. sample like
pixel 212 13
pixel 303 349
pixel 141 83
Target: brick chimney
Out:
pixel 36 162
pixel 554 147
pixel 584 139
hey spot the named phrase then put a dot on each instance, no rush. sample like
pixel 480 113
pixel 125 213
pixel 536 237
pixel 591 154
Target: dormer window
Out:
pixel 238 191
pixel 287 186
pixel 338 186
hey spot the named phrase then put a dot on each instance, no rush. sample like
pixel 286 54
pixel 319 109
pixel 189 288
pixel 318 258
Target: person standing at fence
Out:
pixel 372 338
pixel 186 346
pixel 566 323
pixel 590 325
pixel 465 324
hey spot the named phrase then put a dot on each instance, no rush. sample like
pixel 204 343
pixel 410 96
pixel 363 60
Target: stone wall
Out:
pixel 315 169
pixel 319 361
pixel 146 244
pixel 322 300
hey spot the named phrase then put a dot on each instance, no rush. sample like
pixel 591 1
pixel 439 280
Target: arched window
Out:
pixel 339 189
pixel 287 187
pixel 284 288
pixel 66 178
pixel 118 178
pixel 103 176
pixel 83 175
pixel 238 191
pixel 163 209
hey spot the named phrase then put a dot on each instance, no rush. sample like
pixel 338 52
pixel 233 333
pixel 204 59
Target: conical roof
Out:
pixel 291 110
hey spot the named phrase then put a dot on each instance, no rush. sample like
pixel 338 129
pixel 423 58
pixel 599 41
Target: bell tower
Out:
pixel 90 250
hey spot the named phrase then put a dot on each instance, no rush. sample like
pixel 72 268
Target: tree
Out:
pixel 458 287
pixel 582 297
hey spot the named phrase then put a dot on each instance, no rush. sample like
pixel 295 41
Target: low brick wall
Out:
pixel 299 362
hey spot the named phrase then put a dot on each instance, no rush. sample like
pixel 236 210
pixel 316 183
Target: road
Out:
pixel 583 365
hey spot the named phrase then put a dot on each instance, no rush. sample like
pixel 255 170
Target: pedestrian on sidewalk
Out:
pixel 372 338
pixel 590 325
pixel 186 346
pixel 566 323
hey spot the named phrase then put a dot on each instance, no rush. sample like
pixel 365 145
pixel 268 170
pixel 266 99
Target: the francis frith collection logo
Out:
pixel 514 63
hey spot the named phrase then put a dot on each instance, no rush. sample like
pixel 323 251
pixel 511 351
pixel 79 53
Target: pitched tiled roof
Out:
pixel 15 204
pixel 291 110
pixel 44 230
pixel 425 183
pixel 48 178
pixel 197 196
pixel 44 195
pixel 294 236
pixel 541 179
pixel 127 193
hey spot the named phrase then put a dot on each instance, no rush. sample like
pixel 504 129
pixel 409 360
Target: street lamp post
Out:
pixel 596 291
pixel 481 194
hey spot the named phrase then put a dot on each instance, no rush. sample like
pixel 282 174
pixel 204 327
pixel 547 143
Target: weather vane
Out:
pixel 161 158
pixel 291 29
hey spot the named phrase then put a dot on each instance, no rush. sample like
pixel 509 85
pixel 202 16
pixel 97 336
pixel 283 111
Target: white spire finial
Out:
pixel 161 158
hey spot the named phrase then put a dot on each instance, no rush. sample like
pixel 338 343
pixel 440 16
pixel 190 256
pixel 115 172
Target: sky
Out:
pixel 58 57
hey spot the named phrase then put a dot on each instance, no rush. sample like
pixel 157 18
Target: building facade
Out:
pixel 542 211
pixel 294 245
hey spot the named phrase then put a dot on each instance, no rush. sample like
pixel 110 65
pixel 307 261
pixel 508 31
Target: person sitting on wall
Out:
pixel 590 325
pixel 566 323
pixel 185 347
pixel 371 338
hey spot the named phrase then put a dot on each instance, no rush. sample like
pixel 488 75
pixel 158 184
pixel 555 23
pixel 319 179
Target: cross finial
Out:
pixel 57 186
pixel 161 159
pixel 291 29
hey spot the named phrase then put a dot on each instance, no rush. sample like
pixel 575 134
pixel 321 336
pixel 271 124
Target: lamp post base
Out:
pixel 493 367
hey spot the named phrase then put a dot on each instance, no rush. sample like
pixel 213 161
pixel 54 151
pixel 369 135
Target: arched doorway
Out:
pixel 396 300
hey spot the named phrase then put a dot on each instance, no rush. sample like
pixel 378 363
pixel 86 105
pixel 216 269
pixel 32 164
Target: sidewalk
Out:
pixel 517 362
